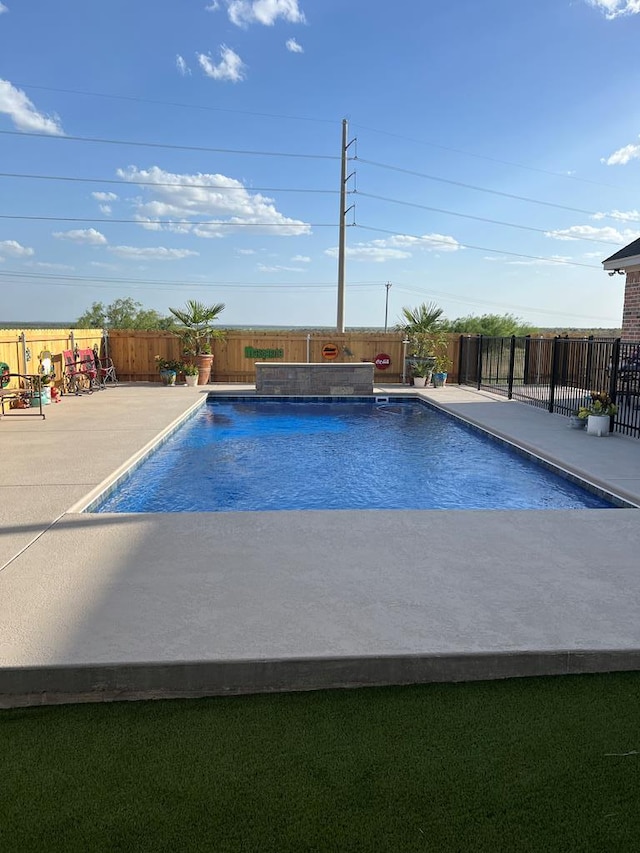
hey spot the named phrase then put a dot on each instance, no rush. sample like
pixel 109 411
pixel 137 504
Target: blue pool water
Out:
pixel 267 455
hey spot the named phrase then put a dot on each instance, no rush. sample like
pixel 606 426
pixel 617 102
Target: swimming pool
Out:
pixel 249 454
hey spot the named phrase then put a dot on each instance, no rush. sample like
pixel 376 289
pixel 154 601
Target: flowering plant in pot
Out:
pixel 598 411
pixel 168 369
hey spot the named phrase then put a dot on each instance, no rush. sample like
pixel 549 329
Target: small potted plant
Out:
pixel 441 369
pixel 168 369
pixel 190 373
pixel 597 412
pixel 421 372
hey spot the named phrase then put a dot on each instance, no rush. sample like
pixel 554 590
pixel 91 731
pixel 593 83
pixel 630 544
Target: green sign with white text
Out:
pixel 250 352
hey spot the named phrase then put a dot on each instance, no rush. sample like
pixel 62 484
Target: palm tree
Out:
pixel 196 330
pixel 424 318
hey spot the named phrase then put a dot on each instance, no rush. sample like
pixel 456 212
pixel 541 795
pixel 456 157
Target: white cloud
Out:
pixel 622 156
pixel 106 209
pixel 47 266
pixel 607 234
pixel 221 202
pixel 364 252
pixel 230 67
pixel 294 47
pixel 152 253
pixel 104 196
pixel 13 249
pixel 182 66
pixel 278 268
pixel 615 8
pixel 301 259
pixel 14 103
pixel 623 216
pixel 395 248
pixel 266 12
pixel 104 266
pixel 246 251
pixel 82 235
pixel 3 8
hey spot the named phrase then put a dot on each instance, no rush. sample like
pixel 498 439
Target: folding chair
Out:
pixel 80 372
pixel 106 369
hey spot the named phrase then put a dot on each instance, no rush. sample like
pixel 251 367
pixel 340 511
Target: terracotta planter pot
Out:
pixel 203 363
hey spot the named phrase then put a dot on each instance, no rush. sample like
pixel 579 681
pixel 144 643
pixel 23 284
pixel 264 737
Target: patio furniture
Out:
pixel 106 369
pixel 80 372
pixel 26 394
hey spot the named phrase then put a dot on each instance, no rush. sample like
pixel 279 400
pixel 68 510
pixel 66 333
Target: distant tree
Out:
pixel 492 325
pixel 122 314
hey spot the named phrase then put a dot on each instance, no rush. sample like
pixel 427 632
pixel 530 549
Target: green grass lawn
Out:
pixel 535 764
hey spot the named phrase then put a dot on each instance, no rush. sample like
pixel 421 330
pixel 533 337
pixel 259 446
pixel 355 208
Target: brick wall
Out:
pixel 631 309
pixel 314 379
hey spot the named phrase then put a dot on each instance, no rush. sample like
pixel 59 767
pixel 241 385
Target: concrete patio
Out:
pixel 113 606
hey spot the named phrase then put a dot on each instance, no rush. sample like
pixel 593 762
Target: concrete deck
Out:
pixel 127 606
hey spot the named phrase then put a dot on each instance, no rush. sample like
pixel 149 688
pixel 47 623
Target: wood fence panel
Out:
pixel 134 352
pixel 13 349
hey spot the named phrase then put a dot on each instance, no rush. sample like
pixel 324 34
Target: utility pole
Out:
pixel 342 237
pixel 386 304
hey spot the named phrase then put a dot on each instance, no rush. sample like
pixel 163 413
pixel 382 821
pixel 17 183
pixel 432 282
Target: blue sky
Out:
pixel 495 156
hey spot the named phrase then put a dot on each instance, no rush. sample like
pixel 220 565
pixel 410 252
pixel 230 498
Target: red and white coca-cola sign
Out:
pixel 382 361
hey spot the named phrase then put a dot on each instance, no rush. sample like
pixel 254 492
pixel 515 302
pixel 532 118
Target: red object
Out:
pixel 382 361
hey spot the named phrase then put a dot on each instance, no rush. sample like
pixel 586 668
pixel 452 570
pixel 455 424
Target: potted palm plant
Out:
pixel 197 332
pixel 598 411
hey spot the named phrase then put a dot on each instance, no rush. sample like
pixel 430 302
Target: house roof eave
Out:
pixel 622 263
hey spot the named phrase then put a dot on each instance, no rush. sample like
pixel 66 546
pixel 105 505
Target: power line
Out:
pixel 179 282
pixel 477 218
pixel 473 187
pixel 164 184
pixel 447 243
pixel 182 222
pixel 490 159
pixel 139 100
pixel 172 147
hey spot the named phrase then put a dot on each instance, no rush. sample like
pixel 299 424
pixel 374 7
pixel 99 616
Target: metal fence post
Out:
pixel 512 361
pixel 554 371
pixel 479 362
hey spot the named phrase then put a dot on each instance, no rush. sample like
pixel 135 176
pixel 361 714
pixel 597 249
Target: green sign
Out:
pixel 250 352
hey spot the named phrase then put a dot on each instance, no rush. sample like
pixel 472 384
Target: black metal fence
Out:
pixel 557 374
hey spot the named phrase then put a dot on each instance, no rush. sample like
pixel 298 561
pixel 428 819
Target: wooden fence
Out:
pixel 134 352
pixel 21 349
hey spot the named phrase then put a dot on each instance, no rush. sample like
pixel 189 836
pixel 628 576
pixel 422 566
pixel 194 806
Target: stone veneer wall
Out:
pixel 335 380
pixel 631 309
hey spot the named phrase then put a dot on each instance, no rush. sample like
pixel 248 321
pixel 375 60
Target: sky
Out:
pixel 167 150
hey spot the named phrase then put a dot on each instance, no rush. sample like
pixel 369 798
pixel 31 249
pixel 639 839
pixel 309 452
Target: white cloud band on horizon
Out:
pixel 222 201
pixel 230 67
pixel 15 103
